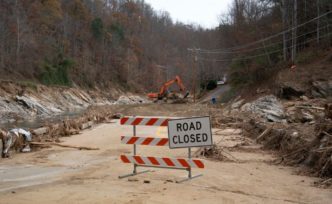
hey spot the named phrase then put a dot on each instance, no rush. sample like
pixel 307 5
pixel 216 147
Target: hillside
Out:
pixel 94 43
pixel 116 101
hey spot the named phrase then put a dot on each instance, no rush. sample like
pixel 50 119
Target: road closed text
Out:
pixel 190 132
pixel 193 138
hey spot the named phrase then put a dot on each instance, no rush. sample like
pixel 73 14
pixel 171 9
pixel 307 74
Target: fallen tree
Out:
pixel 47 144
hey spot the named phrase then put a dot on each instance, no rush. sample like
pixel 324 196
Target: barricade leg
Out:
pixel 189 170
pixel 133 174
pixel 135 165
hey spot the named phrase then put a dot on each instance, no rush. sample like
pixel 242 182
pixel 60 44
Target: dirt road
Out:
pixel 60 175
pixel 217 93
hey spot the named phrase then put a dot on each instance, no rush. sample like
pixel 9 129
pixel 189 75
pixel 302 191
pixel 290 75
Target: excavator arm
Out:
pixel 163 90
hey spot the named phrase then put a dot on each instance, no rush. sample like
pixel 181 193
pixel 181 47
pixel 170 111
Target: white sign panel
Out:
pixel 189 132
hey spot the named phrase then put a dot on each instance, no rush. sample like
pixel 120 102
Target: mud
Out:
pixel 92 176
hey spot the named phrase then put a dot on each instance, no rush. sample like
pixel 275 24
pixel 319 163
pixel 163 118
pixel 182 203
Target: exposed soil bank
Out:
pixel 21 102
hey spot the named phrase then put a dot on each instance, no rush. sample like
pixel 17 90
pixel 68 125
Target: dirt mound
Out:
pixel 305 144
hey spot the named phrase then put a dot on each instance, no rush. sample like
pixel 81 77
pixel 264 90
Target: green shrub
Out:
pixel 56 73
pixel 118 33
pixel 97 28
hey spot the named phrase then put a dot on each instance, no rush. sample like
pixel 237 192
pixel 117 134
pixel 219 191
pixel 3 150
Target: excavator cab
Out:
pixel 164 93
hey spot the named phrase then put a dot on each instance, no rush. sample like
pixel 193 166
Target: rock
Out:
pixel 289 92
pixel 40 131
pixel 295 134
pixel 86 125
pixel 304 98
pixel 132 179
pixel 268 107
pixel 237 104
pixel 321 89
pixel 147 181
pixel 32 103
pixel 127 100
pixel 45 101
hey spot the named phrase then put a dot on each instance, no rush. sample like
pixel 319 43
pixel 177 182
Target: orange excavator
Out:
pixel 165 94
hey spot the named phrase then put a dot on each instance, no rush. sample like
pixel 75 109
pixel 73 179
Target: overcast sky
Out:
pixel 202 12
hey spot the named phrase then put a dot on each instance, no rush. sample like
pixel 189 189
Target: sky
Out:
pixel 202 12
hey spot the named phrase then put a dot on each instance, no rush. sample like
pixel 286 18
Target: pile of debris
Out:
pixel 67 127
pixel 50 134
pixel 298 144
pixel 131 99
pixel 268 108
pixel 300 130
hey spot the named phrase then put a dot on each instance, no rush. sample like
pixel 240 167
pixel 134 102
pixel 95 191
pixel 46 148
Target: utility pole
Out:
pixel 194 76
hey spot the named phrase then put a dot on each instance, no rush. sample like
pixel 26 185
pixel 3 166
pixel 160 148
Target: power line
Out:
pixel 260 55
pixel 258 48
pixel 270 37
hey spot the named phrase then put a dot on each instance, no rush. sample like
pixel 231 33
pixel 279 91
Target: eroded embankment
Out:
pixel 299 130
pixel 26 101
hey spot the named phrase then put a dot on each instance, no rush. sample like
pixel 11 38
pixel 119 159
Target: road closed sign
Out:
pixel 189 132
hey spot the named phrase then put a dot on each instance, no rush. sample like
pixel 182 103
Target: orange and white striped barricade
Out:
pixel 155 162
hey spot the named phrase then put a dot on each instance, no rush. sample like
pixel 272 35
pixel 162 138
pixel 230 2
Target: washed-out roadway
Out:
pixel 60 175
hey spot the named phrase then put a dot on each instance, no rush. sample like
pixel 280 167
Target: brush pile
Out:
pixel 299 130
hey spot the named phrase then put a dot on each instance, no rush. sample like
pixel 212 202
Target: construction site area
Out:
pixel 151 101
pixel 266 149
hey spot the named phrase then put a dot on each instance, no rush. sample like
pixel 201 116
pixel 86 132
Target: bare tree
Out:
pixel 294 31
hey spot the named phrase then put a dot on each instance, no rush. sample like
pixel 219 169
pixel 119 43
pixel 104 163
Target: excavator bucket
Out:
pixel 186 95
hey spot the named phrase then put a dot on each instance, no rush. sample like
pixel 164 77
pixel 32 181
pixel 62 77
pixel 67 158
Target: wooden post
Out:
pixel 195 73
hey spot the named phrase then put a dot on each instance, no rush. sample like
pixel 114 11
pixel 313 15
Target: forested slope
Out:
pixel 93 43
pixel 99 43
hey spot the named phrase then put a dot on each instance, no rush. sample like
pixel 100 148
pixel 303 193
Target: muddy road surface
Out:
pixel 60 175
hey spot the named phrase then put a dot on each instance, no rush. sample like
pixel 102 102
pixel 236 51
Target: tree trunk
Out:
pixel 318 13
pixel 284 26
pixel 18 32
pixel 294 33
